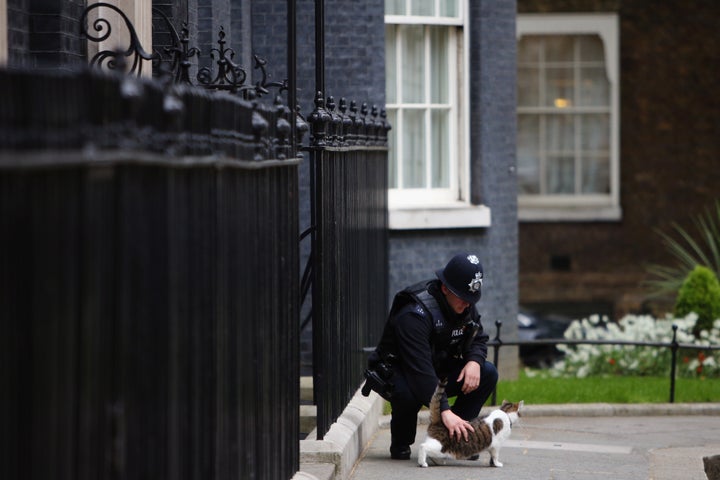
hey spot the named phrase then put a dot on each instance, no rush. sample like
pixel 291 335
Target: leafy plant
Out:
pixel 692 248
pixel 699 293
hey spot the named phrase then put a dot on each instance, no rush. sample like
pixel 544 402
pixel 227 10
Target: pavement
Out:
pixel 559 442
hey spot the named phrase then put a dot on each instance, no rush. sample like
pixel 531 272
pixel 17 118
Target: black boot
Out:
pixel 400 452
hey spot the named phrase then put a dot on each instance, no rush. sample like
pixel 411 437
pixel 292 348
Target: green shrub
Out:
pixel 699 293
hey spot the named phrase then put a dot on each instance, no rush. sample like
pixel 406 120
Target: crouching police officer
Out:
pixel 433 331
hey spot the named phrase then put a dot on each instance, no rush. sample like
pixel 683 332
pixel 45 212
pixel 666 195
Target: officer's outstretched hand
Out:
pixel 456 425
pixel 471 374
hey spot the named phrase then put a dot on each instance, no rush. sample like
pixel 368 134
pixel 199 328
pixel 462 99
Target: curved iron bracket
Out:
pixel 115 59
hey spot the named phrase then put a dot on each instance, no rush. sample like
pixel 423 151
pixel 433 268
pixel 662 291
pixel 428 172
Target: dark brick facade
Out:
pixel 670 143
pixel 44 34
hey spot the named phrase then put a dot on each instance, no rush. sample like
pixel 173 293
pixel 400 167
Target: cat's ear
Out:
pixel 521 404
pixel 504 402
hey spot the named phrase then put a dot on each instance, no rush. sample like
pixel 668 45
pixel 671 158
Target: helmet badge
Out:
pixel 473 259
pixel 476 282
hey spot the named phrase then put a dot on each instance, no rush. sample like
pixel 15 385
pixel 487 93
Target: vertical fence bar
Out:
pixel 496 355
pixel 292 72
pixel 673 364
pixel 319 45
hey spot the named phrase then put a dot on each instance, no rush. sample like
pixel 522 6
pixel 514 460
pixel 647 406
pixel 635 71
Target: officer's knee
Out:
pixel 489 374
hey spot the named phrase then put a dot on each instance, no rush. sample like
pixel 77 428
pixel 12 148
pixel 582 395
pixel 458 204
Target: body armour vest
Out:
pixel 447 340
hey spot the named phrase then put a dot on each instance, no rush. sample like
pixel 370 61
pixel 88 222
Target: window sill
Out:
pixel 570 214
pixel 452 215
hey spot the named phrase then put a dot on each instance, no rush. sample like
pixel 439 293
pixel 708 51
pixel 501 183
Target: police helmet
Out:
pixel 463 276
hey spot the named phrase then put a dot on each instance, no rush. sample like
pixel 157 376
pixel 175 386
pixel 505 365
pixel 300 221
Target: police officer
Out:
pixel 433 331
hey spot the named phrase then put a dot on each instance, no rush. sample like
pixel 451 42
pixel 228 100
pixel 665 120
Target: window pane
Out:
pixel 559 87
pixel 559 134
pixel 422 7
pixel 528 161
pixel 390 64
pixel 439 69
pixel 558 48
pixel 594 87
pixel 529 49
pixel 413 64
pixel 596 175
pixel 394 7
pixel 439 124
pixel 591 48
pixel 449 8
pixel 561 175
pixel 392 149
pixel 528 87
pixel 413 138
pixel 595 133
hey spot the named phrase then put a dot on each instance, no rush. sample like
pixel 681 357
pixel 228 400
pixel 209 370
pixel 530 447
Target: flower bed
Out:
pixel 585 360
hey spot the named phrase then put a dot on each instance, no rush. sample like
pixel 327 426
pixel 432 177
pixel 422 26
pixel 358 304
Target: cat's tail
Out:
pixel 434 406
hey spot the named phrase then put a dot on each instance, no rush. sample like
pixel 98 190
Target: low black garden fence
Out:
pixel 497 343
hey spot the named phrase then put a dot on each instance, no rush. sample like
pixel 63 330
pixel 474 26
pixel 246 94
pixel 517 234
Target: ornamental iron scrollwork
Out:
pixel 229 75
pixel 173 61
pixel 115 59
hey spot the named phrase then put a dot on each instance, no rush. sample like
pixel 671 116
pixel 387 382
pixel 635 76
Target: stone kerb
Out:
pixel 346 439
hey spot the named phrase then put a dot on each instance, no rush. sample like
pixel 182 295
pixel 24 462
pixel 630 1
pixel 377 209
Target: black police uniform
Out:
pixel 427 340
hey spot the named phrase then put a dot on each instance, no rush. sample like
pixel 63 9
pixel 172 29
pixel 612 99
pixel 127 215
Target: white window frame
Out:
pixel 3 33
pixel 443 208
pixel 581 207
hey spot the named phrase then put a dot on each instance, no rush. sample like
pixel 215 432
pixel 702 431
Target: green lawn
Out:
pixel 619 389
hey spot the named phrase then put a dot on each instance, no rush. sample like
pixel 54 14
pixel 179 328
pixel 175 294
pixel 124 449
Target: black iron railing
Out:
pixel 348 156
pixel 674 346
pixel 149 281
pixel 171 62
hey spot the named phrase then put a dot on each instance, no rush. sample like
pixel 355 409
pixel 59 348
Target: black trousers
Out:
pixel 405 407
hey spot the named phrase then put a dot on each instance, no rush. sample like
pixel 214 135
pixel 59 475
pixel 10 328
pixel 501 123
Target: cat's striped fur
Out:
pixel 490 432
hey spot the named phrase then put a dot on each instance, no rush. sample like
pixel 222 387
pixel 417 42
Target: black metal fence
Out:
pixel 148 282
pixel 349 248
pixel 674 346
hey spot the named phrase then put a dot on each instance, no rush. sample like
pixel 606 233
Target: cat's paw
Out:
pixel 496 463
pixel 423 465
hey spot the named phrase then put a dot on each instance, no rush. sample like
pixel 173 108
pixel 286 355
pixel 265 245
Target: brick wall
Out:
pixel 54 33
pixel 44 34
pixel 669 146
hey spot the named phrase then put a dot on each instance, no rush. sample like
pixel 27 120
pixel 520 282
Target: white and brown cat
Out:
pixel 490 432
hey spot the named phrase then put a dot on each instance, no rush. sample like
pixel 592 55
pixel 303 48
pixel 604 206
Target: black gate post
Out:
pixel 318 120
pixel 674 349
pixel 320 46
pixel 292 72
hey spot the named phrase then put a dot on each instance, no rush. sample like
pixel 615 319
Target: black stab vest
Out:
pixel 447 340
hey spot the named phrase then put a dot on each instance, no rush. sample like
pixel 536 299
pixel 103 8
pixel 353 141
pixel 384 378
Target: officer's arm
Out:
pixel 478 348
pixel 413 333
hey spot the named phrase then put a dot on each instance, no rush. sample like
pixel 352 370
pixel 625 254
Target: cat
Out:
pixel 490 432
pixel 712 467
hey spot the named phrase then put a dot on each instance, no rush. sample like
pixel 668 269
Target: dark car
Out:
pixel 537 326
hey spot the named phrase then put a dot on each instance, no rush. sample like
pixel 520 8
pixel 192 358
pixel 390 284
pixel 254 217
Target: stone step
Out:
pixel 308 413
pixel 306 389
pixel 308 418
